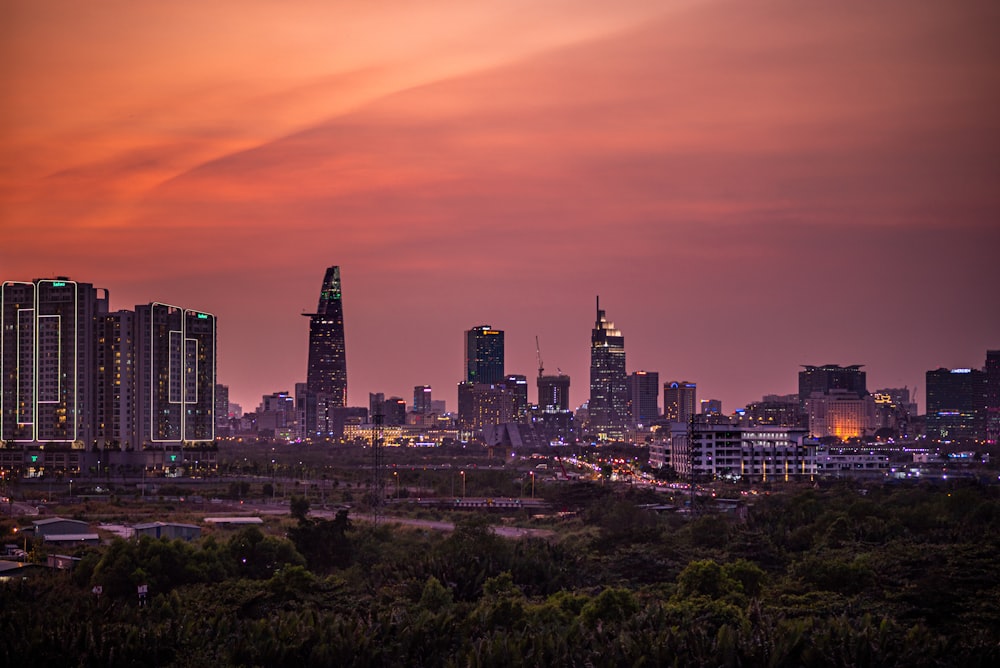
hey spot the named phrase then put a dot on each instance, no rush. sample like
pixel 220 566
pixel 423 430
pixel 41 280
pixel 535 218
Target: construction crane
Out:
pixel 538 354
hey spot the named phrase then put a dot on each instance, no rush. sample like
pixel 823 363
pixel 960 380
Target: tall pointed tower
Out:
pixel 608 406
pixel 326 379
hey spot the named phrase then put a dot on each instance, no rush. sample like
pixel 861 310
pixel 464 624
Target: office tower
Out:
pixel 608 405
pixel 175 370
pixel 48 373
pixel 276 416
pixel 644 396
pixel 116 397
pixel 553 392
pixel 711 407
pixel 517 386
pixel 484 355
pixel 422 401
pixel 481 405
pixel 326 378
pixel 992 371
pixel 376 404
pixel 394 409
pixel 955 402
pixel 829 377
pixel 680 400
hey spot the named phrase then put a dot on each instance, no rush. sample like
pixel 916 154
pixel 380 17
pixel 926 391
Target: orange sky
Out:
pixel 749 186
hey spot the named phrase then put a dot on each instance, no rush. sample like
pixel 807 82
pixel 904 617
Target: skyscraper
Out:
pixel 992 371
pixel 47 370
pixel 644 396
pixel 484 355
pixel 175 375
pixel 553 392
pixel 422 399
pixel 48 379
pixel 955 402
pixel 829 377
pixel 74 375
pixel 680 400
pixel 517 386
pixel 326 378
pixel 608 406
pixel 116 367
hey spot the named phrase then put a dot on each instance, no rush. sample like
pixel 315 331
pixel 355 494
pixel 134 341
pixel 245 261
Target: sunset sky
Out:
pixel 748 186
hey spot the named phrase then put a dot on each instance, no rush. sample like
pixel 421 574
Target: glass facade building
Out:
pixel 484 353
pixel 326 377
pixel 608 405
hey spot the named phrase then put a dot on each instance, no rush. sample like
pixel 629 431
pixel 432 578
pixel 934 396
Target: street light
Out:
pixel 462 473
pixel 395 474
pixel 532 484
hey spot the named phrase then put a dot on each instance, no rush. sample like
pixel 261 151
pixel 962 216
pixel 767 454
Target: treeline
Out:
pixel 839 576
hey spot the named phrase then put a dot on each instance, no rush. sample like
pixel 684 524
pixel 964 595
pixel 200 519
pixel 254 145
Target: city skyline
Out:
pixel 750 189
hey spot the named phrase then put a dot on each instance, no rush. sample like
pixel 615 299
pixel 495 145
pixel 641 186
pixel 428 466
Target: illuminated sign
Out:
pixel 202 316
pixel 59 284
pixel 961 370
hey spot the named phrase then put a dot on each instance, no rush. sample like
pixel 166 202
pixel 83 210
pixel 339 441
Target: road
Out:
pixel 435 525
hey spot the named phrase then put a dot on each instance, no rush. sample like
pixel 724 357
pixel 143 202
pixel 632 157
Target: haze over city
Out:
pixel 749 188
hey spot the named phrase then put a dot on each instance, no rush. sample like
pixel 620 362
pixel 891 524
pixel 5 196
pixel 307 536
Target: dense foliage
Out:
pixel 838 576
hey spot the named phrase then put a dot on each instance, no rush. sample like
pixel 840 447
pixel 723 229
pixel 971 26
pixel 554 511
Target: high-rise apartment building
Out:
pixel 956 399
pixel 326 377
pixel 644 396
pixel 48 354
pixel 608 405
pixel 116 365
pixel 175 375
pixel 73 373
pixel 680 400
pixel 484 355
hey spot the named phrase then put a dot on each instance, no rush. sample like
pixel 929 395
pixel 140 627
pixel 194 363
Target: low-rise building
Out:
pixel 169 530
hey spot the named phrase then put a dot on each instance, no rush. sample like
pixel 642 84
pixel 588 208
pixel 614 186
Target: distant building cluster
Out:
pixel 80 383
pixel 80 386
pixel 493 407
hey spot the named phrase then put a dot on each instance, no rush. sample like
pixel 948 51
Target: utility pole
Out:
pixel 378 434
pixel 690 438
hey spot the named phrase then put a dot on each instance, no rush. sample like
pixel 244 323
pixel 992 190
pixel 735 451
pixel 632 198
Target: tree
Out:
pixel 299 507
